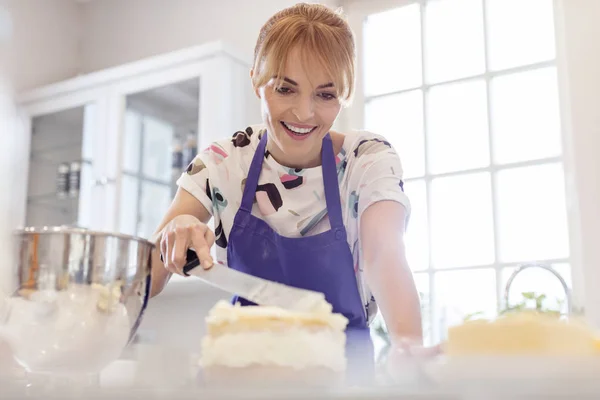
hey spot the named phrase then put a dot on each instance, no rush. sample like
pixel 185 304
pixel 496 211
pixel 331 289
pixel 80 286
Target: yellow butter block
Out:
pixel 597 342
pixel 524 333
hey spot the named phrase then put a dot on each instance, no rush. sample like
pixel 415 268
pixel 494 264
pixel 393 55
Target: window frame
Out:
pixel 354 117
pixel 139 176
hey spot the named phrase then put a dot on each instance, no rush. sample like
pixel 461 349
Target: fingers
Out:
pixel 409 348
pixel 202 239
pixel 178 254
pixel 163 248
pixel 167 246
pixel 210 238
pixel 177 238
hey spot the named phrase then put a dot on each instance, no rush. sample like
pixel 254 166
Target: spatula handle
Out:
pixel 192 261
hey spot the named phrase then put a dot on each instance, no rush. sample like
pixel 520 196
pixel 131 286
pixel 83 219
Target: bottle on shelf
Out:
pixel 74 178
pixel 62 181
pixel 190 148
pixel 177 162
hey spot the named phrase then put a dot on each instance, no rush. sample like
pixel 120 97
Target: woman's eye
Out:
pixel 283 90
pixel 327 96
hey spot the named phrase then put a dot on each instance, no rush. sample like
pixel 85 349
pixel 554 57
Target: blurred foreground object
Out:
pixel 523 333
pixel 80 298
pixel 527 348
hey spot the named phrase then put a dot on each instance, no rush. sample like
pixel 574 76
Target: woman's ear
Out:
pixel 256 91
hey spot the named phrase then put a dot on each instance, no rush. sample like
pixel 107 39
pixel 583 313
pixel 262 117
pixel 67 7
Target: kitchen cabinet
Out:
pixel 98 150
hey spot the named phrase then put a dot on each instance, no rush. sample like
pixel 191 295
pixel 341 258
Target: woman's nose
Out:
pixel 304 109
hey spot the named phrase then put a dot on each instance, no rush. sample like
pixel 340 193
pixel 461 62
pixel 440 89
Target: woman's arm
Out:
pixel 387 272
pixel 183 204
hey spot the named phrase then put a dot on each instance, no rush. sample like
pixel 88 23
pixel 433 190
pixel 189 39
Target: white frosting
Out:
pixel 314 304
pixel 224 312
pixel 108 296
pixel 296 348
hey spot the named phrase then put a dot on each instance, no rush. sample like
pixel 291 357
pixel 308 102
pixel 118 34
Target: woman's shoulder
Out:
pixel 237 146
pixel 247 139
pixel 359 144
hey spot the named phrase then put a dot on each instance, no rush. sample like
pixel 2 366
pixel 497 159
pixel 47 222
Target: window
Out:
pixel 467 93
pixel 146 183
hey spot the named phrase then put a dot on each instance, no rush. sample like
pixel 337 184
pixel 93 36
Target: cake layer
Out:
pixel 240 337
pixel 261 325
pixel 296 348
pixel 520 334
pixel 224 314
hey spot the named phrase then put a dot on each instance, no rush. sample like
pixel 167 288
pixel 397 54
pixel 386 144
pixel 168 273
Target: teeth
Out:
pixel 301 131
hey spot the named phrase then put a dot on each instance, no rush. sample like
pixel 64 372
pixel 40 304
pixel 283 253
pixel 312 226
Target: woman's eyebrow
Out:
pixel 292 82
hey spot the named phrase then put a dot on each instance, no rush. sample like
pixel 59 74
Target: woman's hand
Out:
pixel 180 234
pixel 413 348
pixel 405 357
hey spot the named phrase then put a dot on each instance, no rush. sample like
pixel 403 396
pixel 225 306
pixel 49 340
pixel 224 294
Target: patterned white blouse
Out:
pixel 292 201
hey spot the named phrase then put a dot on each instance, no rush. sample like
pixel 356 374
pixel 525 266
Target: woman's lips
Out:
pixel 295 135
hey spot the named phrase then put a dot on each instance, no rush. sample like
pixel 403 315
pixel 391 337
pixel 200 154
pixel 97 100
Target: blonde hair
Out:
pixel 321 34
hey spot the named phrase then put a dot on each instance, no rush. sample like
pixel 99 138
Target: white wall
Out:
pixel 45 43
pixel 59 39
pixel 119 31
pixel 7 121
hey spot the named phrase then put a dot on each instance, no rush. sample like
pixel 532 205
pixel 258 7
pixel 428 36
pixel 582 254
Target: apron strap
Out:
pixel 330 181
pixel 253 175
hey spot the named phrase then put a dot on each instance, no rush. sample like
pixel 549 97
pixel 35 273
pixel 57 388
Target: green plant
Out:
pixel 472 316
pixel 537 299
pixel 529 301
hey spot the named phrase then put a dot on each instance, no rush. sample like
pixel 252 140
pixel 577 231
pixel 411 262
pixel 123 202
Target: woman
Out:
pixel 294 201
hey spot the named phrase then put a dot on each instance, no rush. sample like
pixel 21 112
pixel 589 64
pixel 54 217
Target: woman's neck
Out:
pixel 284 160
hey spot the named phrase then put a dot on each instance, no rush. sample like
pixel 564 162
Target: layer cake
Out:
pixel 254 343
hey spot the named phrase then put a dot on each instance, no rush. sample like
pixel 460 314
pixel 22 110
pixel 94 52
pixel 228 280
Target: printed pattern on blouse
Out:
pixel 292 201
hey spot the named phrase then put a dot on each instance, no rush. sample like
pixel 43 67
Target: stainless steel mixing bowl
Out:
pixel 80 298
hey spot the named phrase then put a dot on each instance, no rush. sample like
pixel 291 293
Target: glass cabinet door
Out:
pixel 159 140
pixel 61 168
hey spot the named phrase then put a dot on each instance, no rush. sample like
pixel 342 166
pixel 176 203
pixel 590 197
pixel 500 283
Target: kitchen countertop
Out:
pixel 154 372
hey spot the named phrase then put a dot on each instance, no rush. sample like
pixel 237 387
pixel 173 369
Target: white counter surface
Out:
pixel 157 372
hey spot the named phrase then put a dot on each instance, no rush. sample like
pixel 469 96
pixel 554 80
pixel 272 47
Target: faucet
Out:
pixel 547 268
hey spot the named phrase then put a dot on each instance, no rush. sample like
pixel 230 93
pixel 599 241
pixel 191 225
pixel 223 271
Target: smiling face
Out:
pixel 299 109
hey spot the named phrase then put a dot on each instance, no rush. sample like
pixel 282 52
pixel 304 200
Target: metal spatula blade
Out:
pixel 257 290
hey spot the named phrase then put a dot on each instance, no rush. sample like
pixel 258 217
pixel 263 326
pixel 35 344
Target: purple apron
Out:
pixel 322 262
